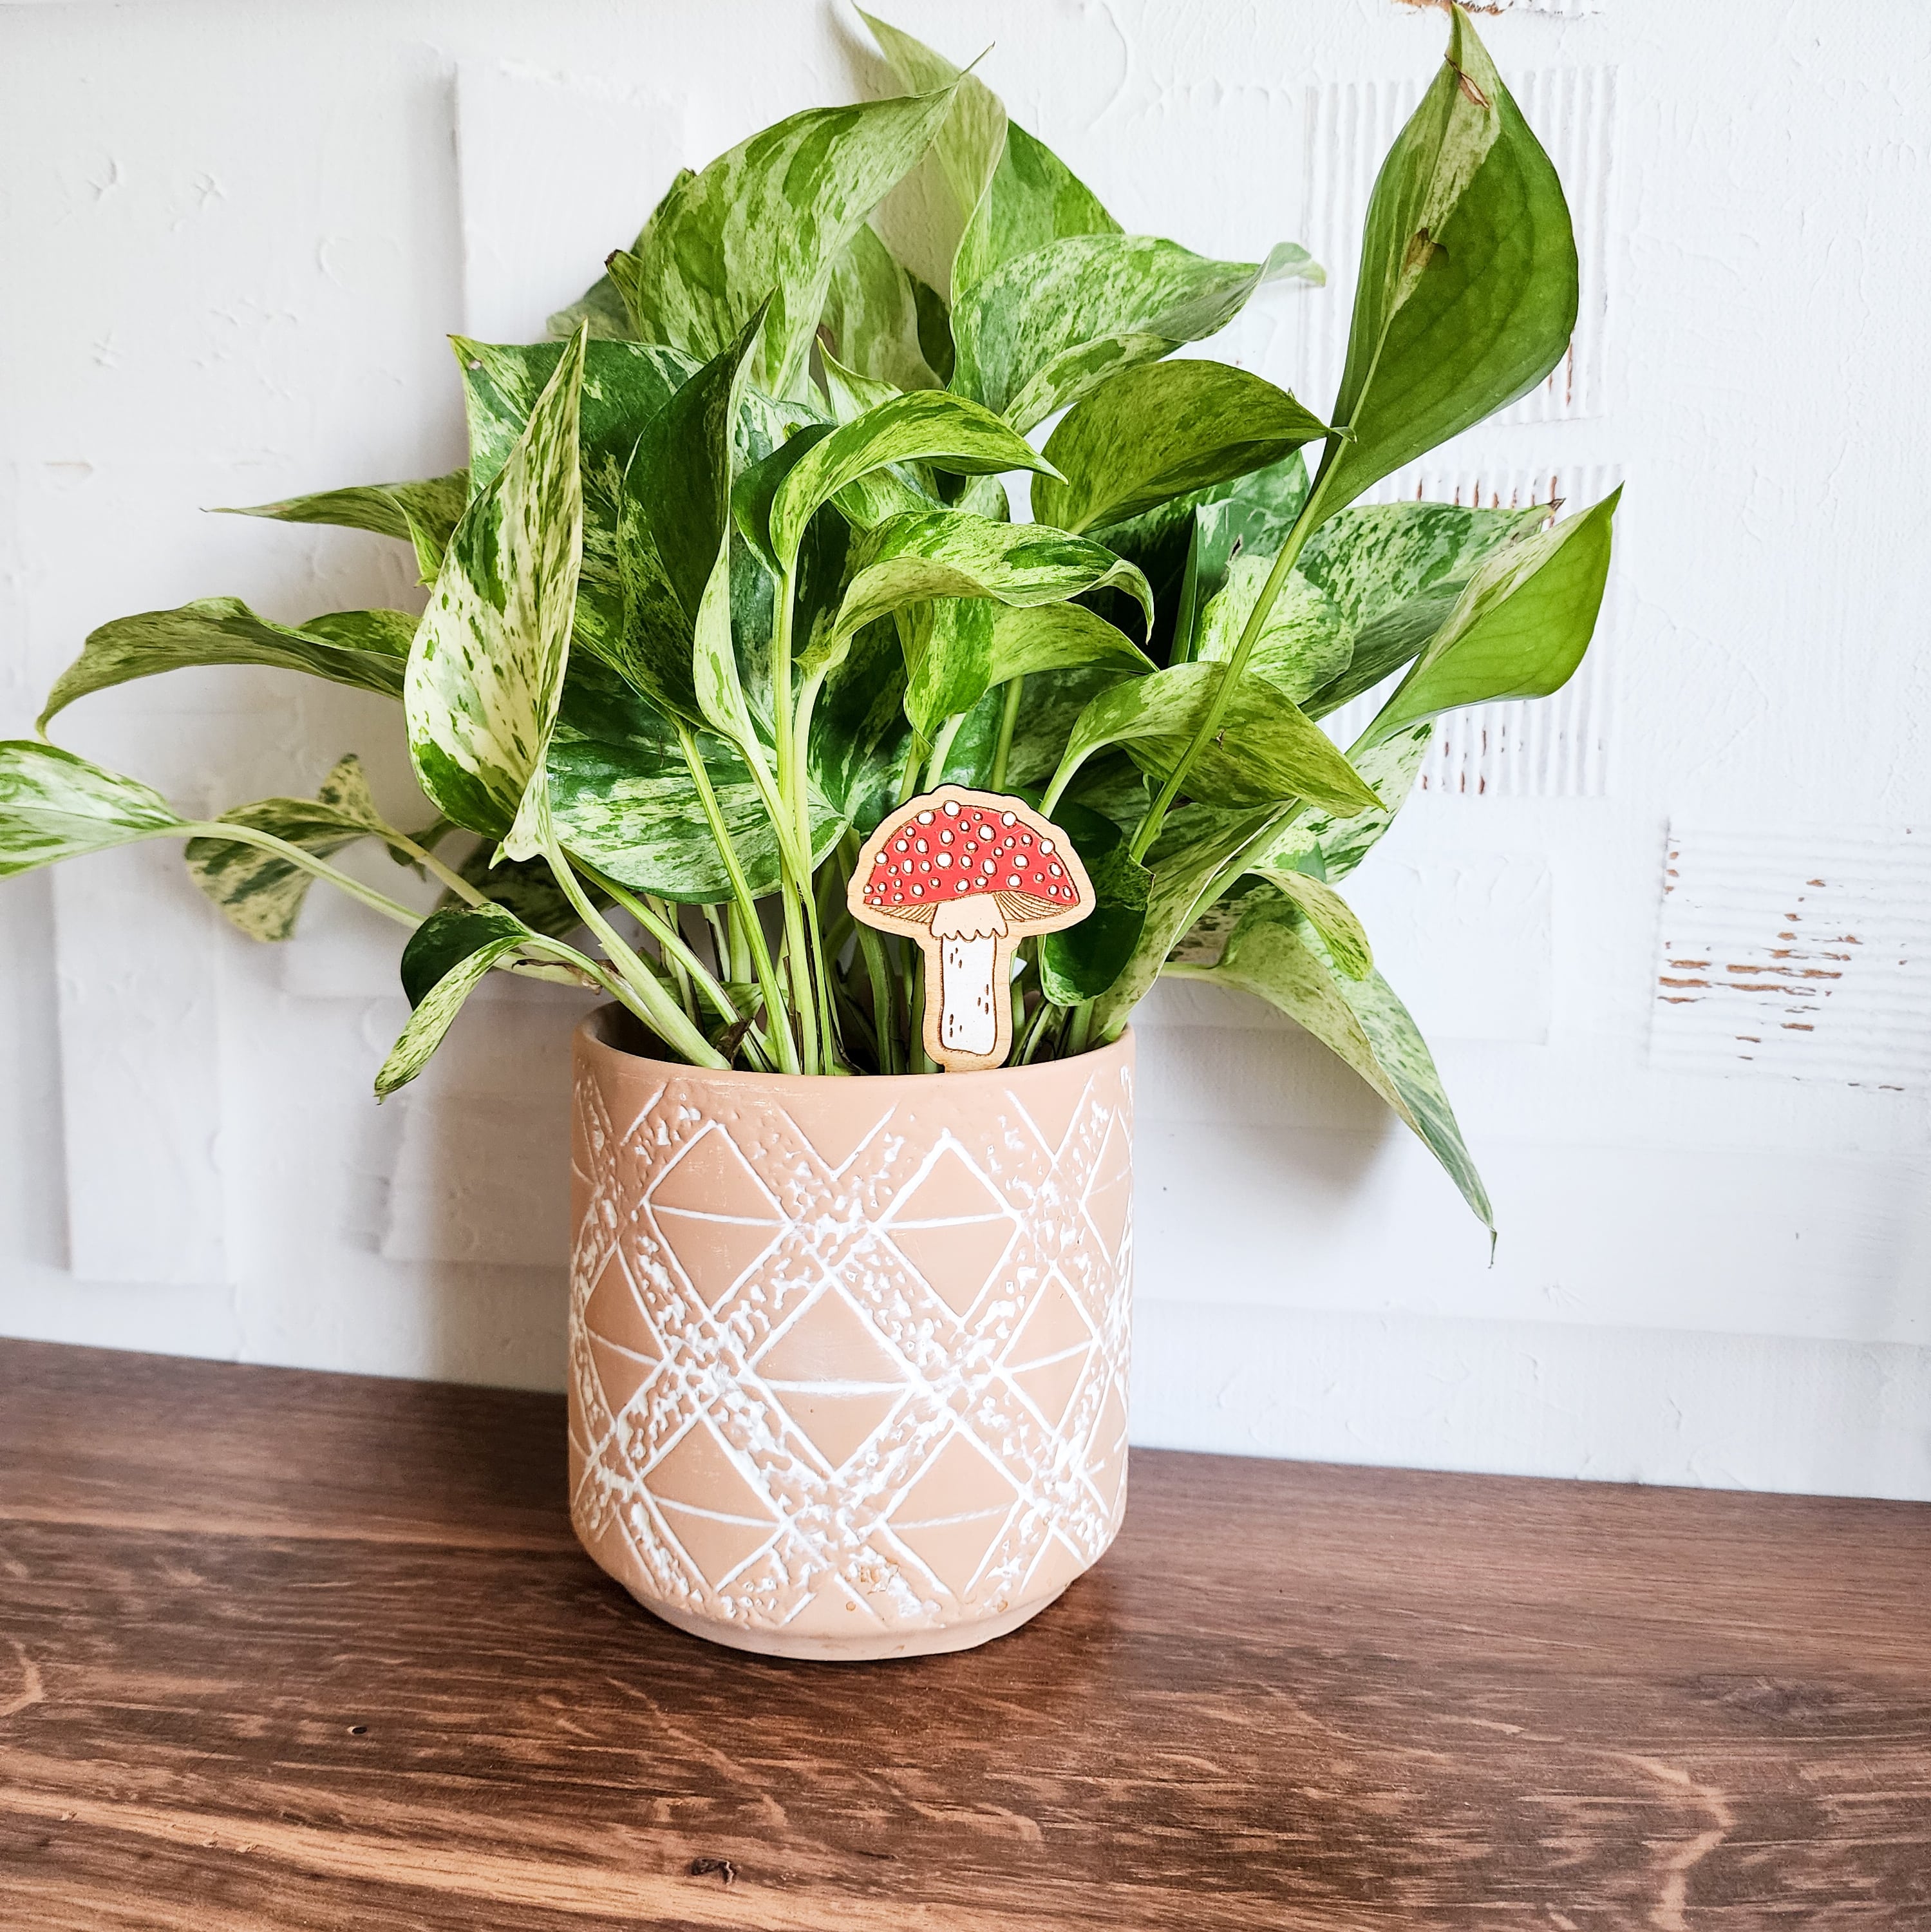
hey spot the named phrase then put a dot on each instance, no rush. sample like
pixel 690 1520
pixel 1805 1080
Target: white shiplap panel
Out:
pixel 1351 124
pixel 1799 954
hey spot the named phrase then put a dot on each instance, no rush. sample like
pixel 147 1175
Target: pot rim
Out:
pixel 589 1040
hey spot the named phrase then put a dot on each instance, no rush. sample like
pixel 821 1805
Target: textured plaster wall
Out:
pixel 1669 934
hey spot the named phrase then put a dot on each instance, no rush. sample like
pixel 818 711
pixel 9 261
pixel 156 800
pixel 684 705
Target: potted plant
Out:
pixel 732 584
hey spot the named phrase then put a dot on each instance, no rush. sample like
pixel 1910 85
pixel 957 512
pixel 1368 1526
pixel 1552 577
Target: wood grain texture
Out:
pixel 288 1650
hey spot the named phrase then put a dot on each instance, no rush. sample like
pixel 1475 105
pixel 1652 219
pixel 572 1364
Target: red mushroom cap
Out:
pixel 955 845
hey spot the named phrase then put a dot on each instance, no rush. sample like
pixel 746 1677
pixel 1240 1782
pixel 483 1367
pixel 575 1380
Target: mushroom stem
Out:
pixel 968 1022
pixel 970 943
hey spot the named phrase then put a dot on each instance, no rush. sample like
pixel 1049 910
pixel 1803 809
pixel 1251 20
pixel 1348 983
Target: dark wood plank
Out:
pixel 289 1650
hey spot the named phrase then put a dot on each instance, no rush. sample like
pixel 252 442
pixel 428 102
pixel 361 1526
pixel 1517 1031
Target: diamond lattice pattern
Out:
pixel 831 1376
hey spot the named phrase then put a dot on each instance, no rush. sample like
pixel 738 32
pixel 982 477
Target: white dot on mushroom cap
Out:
pixel 925 818
pixel 1025 838
pixel 900 847
pixel 945 858
pixel 1045 844
pixel 962 885
pixel 1005 818
pixel 1014 880
pixel 988 866
pixel 917 891
pixel 945 838
pixel 952 808
pixel 1056 872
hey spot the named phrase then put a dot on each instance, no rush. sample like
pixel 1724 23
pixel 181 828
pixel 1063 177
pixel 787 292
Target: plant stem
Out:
pixel 663 1015
pixel 1204 732
pixel 1001 748
pixel 1080 1027
pixel 678 955
pixel 267 841
pixel 942 745
pixel 777 1020
pixel 434 866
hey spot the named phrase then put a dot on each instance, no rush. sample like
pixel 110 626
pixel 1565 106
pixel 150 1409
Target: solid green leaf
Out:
pixel 871 317
pixel 466 943
pixel 358 648
pixel 486 671
pixel 262 892
pixel 970 646
pixel 1267 751
pixel 951 554
pixel 1519 630
pixel 54 805
pixel 1159 430
pixel 1275 955
pixel 1467 293
pixel 1081 962
pixel 1042 329
pixel 421 514
pixel 766 223
pixel 927 426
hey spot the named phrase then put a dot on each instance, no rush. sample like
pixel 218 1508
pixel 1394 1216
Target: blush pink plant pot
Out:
pixel 848 1357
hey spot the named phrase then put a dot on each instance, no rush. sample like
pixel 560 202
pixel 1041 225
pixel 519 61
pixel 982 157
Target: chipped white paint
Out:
pixel 1803 954
pixel 1706 1274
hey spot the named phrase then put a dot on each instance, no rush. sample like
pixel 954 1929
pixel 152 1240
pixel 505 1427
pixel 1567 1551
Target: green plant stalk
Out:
pixel 678 955
pixel 663 1015
pixel 783 1047
pixel 1008 723
pixel 1204 732
pixel 1080 1027
pixel 794 854
pixel 425 857
pixel 267 841
pixel 942 746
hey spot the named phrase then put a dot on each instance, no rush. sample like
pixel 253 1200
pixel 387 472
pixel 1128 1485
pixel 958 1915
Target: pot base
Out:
pixel 866 1647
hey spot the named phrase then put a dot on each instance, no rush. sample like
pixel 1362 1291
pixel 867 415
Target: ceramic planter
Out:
pixel 848 1357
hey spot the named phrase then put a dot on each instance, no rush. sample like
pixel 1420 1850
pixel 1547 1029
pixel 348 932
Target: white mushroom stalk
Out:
pixel 967 875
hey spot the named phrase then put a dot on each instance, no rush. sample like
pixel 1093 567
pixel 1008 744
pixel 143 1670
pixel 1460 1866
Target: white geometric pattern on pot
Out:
pixel 963 1271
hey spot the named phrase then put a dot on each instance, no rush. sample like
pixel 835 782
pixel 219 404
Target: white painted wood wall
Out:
pixel 1669 932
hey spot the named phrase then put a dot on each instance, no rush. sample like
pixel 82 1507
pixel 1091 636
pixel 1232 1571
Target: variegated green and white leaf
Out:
pixel 1038 332
pixel 476 939
pixel 1199 849
pixel 486 670
pixel 1305 642
pixel 262 892
pixel 767 221
pixel 1267 751
pixel 950 554
pixel 1329 847
pixel 1157 431
pixel 965 648
pixel 600 309
pixel 421 514
pixel 623 800
pixel 926 426
pixel 1275 954
pixel 365 649
pixel 871 317
pixel 54 805
pixel 1007 192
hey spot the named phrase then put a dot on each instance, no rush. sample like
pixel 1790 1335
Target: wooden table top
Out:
pixel 279 1649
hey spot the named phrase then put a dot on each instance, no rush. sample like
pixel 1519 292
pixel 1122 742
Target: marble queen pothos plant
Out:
pixel 732 571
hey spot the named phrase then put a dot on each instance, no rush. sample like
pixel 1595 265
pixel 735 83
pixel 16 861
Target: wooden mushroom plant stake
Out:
pixel 968 875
